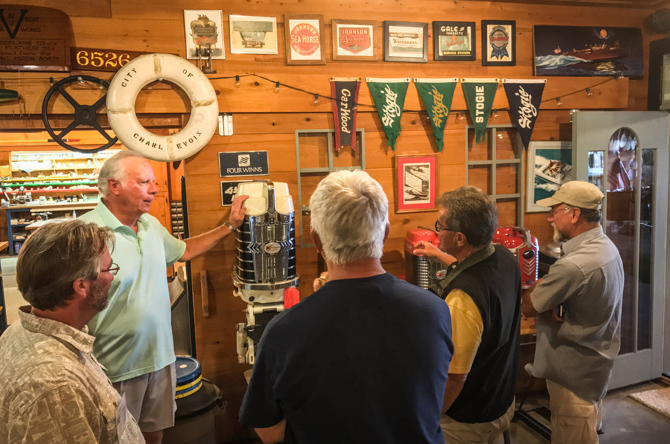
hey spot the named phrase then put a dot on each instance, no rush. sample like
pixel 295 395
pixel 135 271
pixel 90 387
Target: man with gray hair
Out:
pixel 53 390
pixel 364 358
pixel 483 291
pixel 576 354
pixel 134 335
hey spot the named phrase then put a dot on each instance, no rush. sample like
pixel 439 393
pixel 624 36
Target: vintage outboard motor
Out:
pixel 265 265
pixel 525 247
pixel 419 270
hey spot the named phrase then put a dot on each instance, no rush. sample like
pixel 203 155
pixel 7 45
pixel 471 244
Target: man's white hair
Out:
pixel 113 169
pixel 349 212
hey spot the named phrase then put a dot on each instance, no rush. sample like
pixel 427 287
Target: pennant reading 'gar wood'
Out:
pixel 345 95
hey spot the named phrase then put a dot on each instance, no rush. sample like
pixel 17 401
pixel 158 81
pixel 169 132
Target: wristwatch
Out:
pixel 230 227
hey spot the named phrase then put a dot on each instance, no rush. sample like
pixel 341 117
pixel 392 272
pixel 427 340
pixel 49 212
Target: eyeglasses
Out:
pixel 438 228
pixel 112 270
pixel 553 211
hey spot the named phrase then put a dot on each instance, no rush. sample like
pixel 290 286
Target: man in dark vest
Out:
pixel 483 291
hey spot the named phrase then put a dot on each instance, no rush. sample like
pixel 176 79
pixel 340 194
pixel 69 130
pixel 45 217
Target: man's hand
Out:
pixel 426 249
pixel 238 211
pixel 527 308
pixel 320 281
pixel 552 316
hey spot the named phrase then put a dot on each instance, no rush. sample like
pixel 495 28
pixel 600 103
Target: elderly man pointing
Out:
pixel 134 335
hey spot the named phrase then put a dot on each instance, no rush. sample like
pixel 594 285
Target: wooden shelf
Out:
pixel 30 179
pixel 60 168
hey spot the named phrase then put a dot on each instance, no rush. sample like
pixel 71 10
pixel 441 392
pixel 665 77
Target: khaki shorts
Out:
pixel 478 433
pixel 573 420
pixel 150 398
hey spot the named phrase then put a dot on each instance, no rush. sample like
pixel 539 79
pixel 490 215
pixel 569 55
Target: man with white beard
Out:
pixel 576 354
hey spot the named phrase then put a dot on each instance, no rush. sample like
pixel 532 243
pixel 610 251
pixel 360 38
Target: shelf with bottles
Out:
pixel 28 161
pixel 55 190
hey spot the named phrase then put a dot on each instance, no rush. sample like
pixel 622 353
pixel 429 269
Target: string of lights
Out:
pixel 318 96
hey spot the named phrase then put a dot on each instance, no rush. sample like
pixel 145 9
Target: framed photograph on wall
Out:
pixel 253 35
pixel 204 30
pixel 405 42
pixel 354 40
pixel 585 51
pixel 454 41
pixel 304 39
pixel 549 166
pixel 498 43
pixel 416 183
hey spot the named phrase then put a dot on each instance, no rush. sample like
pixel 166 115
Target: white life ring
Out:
pixel 139 72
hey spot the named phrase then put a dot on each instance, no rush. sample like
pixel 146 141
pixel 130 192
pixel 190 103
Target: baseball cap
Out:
pixel 576 193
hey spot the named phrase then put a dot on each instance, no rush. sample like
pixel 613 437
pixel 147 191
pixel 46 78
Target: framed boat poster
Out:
pixel 405 42
pixel 304 39
pixel 354 40
pixel 587 51
pixel 253 35
pixel 498 43
pixel 416 183
pixel 549 167
pixel 454 41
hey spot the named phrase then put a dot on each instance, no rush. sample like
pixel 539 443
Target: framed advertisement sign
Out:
pixel 498 43
pixel 454 41
pixel 304 39
pixel 204 29
pixel 405 42
pixel 354 40
pixel 253 35
pixel 549 166
pixel 416 183
pixel 243 163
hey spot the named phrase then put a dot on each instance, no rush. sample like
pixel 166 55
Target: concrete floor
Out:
pixel 625 421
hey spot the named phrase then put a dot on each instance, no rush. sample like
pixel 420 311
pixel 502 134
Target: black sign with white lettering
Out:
pixel 244 163
pixel 228 190
pixel 344 112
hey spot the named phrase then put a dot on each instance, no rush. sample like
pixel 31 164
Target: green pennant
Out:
pixel 389 99
pixel 437 98
pixel 479 97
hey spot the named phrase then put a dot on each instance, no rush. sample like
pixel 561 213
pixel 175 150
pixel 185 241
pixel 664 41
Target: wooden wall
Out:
pixel 267 121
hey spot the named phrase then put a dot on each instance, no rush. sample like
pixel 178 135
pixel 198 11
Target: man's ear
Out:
pixel 80 288
pixel 460 239
pixel 575 215
pixel 317 241
pixel 387 231
pixel 114 186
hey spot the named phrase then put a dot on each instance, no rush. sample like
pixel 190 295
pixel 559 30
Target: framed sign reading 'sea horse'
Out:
pixel 304 39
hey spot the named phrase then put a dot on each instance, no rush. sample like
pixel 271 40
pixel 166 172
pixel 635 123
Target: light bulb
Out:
pixel 558 101
pixel 588 92
pixel 316 99
pixel 237 81
pixel 276 90
pixel 461 115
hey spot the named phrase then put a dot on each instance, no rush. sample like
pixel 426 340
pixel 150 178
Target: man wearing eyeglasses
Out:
pixel 133 337
pixel 576 354
pixel 483 291
pixel 53 389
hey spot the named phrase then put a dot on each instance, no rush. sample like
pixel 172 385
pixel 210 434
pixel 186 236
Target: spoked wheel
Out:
pixel 85 115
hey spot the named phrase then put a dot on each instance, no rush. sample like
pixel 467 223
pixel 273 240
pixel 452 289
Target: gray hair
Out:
pixel 55 256
pixel 471 212
pixel 590 215
pixel 349 212
pixel 113 169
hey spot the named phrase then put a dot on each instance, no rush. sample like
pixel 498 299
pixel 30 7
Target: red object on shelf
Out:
pixel 525 247
pixel 291 297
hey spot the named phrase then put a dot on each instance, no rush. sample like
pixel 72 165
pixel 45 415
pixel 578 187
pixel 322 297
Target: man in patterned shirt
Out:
pixel 53 389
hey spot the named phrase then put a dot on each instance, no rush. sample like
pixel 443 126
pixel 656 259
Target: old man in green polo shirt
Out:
pixel 134 335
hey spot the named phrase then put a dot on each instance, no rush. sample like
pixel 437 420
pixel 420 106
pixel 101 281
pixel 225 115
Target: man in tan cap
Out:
pixel 576 354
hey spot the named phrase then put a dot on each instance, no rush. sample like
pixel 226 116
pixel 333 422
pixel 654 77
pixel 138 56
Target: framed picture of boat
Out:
pixel 549 167
pixel 415 183
pixel 586 51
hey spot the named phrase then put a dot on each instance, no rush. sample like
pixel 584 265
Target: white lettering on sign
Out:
pixel 526 110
